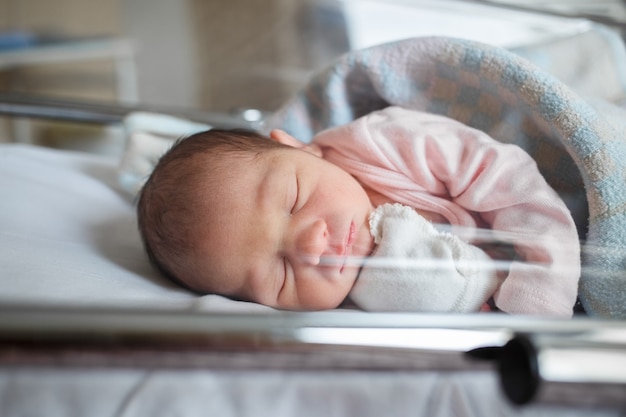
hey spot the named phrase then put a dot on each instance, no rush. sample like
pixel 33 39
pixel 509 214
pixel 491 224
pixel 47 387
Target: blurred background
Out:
pixel 225 55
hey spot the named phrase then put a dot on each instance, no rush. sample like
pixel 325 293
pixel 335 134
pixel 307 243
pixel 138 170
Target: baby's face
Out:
pixel 280 231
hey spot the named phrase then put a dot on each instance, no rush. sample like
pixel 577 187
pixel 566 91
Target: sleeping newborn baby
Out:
pixel 415 267
pixel 280 222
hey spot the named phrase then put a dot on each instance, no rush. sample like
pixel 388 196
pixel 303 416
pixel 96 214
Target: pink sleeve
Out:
pixel 497 182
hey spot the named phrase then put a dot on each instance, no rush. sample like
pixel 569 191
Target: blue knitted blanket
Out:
pixel 578 146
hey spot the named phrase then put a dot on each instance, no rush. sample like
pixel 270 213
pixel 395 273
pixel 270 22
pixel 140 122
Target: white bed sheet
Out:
pixel 125 393
pixel 68 236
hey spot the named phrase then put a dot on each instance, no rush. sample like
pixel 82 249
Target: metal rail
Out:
pixel 42 107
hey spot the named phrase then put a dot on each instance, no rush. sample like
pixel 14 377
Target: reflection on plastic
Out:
pixel 432 339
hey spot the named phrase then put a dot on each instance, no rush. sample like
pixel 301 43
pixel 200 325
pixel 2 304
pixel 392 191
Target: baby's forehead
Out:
pixel 226 172
pixel 216 162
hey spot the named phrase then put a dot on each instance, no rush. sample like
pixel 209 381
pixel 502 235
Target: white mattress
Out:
pixel 256 394
pixel 68 236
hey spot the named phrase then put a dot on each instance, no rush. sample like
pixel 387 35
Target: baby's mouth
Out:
pixel 347 249
pixel 350 238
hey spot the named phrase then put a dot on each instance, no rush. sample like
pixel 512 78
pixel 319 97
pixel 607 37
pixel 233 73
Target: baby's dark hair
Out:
pixel 167 207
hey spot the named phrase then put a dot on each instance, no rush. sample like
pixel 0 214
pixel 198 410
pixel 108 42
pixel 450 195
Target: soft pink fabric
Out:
pixel 434 163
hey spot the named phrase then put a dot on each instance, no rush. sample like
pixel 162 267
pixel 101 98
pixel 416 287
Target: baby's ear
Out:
pixel 285 138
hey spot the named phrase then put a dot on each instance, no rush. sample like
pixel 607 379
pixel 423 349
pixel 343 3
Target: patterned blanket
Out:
pixel 578 145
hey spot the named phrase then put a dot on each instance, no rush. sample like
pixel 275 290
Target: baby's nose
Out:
pixel 311 242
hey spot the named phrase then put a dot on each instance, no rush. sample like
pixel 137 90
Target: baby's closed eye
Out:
pixel 282 278
pixel 296 195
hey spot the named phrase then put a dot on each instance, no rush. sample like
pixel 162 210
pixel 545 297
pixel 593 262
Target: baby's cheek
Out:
pixel 324 294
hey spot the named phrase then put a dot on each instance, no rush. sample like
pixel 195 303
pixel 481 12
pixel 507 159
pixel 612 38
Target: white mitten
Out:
pixel 415 267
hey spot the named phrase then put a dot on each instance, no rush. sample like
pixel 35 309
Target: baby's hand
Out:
pixel 415 267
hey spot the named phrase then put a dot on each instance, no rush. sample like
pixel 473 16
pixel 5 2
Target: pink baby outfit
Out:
pixel 430 162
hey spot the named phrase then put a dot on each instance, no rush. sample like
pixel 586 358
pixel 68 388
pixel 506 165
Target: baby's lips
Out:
pixel 350 238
